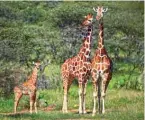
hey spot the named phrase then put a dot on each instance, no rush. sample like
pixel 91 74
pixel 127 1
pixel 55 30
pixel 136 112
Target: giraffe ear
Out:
pixel 33 63
pixel 85 16
pixel 90 14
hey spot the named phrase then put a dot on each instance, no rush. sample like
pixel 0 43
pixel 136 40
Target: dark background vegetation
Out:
pixel 52 31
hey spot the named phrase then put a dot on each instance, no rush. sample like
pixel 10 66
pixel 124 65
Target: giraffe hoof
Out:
pixel 94 112
pixel 80 112
pixel 103 111
pixel 85 112
pixel 64 111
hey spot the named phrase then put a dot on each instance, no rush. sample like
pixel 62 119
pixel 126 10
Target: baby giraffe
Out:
pixel 27 88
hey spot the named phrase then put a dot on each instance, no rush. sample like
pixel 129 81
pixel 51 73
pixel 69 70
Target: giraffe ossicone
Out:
pixel 100 12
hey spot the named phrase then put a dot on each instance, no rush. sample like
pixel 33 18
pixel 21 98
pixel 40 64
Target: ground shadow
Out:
pixel 75 111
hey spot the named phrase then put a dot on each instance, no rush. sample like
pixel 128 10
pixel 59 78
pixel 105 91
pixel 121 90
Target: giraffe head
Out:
pixel 88 20
pixel 37 64
pixel 100 12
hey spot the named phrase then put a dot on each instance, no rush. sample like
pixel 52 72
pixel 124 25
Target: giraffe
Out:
pixel 27 88
pixel 101 67
pixel 78 67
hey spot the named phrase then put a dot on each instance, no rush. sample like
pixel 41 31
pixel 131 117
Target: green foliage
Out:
pixel 124 78
pixel 53 76
pixel 52 30
pixel 39 24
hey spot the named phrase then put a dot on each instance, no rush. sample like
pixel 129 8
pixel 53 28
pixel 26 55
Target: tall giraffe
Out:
pixel 78 67
pixel 101 66
pixel 27 88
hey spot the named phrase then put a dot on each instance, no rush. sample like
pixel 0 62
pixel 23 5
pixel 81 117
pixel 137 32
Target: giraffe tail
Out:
pixel 99 82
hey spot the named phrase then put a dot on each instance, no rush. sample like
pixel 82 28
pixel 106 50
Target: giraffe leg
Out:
pixel 18 95
pixel 66 85
pixel 103 107
pixel 99 93
pixel 80 98
pixel 35 103
pixel 95 85
pixel 65 97
pixel 64 108
pixel 99 103
pixel 103 97
pixel 31 102
pixel 84 94
pixel 95 98
pixel 105 83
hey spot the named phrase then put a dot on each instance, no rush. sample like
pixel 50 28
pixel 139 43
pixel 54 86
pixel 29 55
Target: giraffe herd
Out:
pixel 80 67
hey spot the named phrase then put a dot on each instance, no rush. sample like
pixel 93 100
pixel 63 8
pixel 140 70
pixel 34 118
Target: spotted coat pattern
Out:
pixel 27 88
pixel 78 67
pixel 101 67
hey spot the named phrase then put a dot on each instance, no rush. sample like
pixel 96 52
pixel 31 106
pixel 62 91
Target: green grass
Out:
pixel 120 105
pixel 6 105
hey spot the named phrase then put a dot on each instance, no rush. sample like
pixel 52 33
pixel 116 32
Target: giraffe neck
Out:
pixel 101 35
pixel 84 52
pixel 101 48
pixel 33 77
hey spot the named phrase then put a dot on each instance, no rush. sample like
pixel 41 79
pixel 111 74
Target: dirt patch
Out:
pixel 48 108
pixel 18 112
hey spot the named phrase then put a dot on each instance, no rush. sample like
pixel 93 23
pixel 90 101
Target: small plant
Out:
pixel 73 93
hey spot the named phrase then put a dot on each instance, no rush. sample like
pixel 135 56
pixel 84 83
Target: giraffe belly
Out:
pixel 25 92
pixel 25 89
pixel 102 67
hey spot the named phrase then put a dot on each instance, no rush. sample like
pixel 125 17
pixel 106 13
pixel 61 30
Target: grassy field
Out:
pixel 120 105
